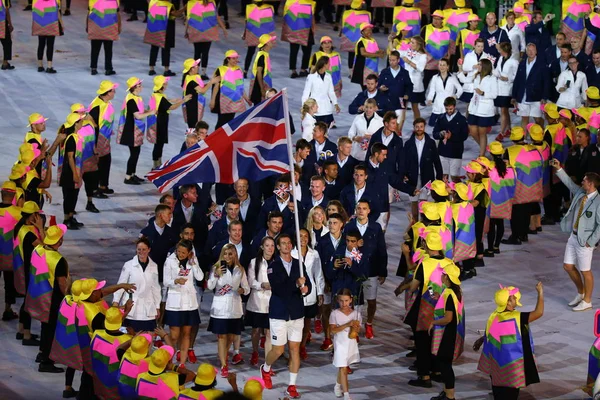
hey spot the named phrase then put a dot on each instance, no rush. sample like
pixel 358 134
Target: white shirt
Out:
pixel 416 74
pixel 528 67
pixel 297 193
pixel 282 205
pixel 371 95
pixel 373 164
pixel 181 297
pixel 308 125
pixel 335 242
pixel 319 148
pixel 317 202
pixel 314 271
pixel 359 192
pixel 517 41
pixel 287 265
pixel 395 72
pixel 244 204
pixel 362 228
pixel 159 229
pixel 359 128
pixel 420 145
pixel 508 70
pixel 574 96
pixel 322 91
pixel 238 247
pixel 469 70
pixel 437 92
pixel 386 139
pixel 563 64
pixel 187 211
pixel 227 302
pixel 340 162
pixel 483 105
pixel 451 116
pixel 258 301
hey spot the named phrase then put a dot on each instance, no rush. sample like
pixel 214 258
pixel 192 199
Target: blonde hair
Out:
pixel 236 260
pixel 344 140
pixel 305 109
pixel 309 219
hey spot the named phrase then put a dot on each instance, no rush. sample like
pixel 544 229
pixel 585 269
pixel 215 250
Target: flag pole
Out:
pixel 288 136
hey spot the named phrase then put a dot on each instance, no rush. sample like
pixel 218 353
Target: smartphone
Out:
pixel 130 296
pixel 597 323
pixel 568 84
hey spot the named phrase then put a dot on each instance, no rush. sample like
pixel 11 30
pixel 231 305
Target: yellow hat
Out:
pixel 189 64
pixel 439 187
pixel 231 54
pixel 459 3
pixel 473 17
pixel 536 132
pixel 140 345
pixel 160 359
pixel 518 7
pixel 365 25
pixel 433 241
pixel 114 319
pixel 159 82
pixel 88 286
pixel 133 81
pixel 402 26
pixel 106 86
pixel 18 170
pixel 593 93
pixel 9 186
pixel 474 167
pixel 36 118
pixel 266 38
pixel 565 113
pixel 253 389
pixel 205 375
pixel 484 161
pixel 496 148
pixel 582 112
pixel 517 133
pixel 76 289
pixel 72 119
pixel 28 153
pixel 501 297
pixel 408 2
pixel 326 39
pixel 356 4
pixel 553 114
pixel 54 234
pixel 463 191
pixel 78 108
pixel 430 210
pixel 453 273
pixel 438 13
pixel 30 207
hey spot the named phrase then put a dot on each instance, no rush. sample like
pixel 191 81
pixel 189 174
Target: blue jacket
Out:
pixel 455 146
pixel 348 199
pixel 374 246
pixel 383 102
pixel 286 301
pixel 199 221
pixel 255 244
pixel 346 173
pixel 393 162
pixel 217 233
pixel 269 205
pixel 333 190
pixel 550 55
pixel 307 203
pixel 398 87
pixel 542 40
pixel 499 35
pixel 309 169
pixel 431 167
pixel 593 77
pixel 537 84
pixel 159 244
pixel 592 29
pixel 251 219
pixel 381 177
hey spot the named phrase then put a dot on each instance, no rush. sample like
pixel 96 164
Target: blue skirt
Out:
pixel 221 326
pixel 433 118
pixel 182 318
pixel 417 98
pixel 483 122
pixel 140 326
pixel 503 101
pixel 328 119
pixel 257 320
pixel 466 97
pixel 311 311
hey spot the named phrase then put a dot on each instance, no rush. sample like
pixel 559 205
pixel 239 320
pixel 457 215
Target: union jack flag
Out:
pixel 253 146
pixel 225 289
pixel 356 255
pixel 281 191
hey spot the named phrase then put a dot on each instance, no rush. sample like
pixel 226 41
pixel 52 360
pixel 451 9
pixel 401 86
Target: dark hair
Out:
pixel 510 14
pixel 341 210
pixel 284 179
pixel 378 148
pixel 232 223
pixel 345 292
pixel 302 144
pixel 308 233
pixel 361 167
pixel 160 208
pixel 480 40
pixel 274 214
pixel 506 47
pixel 585 131
pixel 144 240
pixel 500 165
pixel 438 198
pixel 567 46
pixel 201 388
pixel 594 178
pixel 444 60
pixel 260 255
pixel 336 216
pixel 187 225
pixel 328 163
pixel 283 236
pixel 457 291
pixel 231 200
pixel 318 178
pixel 183 189
pixel 419 121
pixel 164 198
pixel 395 53
pixel 449 101
pixel 371 77
pixel 355 233
pixel 322 126
pixel 186 244
pixel 201 125
pixel 322 62
pixel 364 201
pixel 596 51
pixel 535 13
pixel 388 116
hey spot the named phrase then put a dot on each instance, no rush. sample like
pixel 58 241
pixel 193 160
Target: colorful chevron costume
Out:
pixel 105 125
pixel 202 22
pixel 501 192
pixel 154 103
pixel 3 8
pixel 467 40
pixel 88 134
pixel 351 21
pixel 465 246
pixel 432 288
pixel 297 21
pixel 267 72
pixel 106 363
pixel 18 263
pixel 527 162
pixel 201 99
pixel 158 18
pixel 594 362
pixel 411 16
pixel 437 43
pixel 41 282
pixel 78 156
pixel 573 17
pixel 103 20
pixel 231 88
pixel 45 18
pixel 371 63
pixel 139 126
pixel 438 330
pixel 9 217
pixel 158 387
pixel 260 19
pixel 129 371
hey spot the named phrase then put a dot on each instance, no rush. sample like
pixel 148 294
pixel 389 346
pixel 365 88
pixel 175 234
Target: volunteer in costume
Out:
pixel 143 273
pixel 510 362
pixel 505 72
pixel 480 203
pixel 46 25
pixel 335 63
pixel 352 19
pixel 465 238
pixel 467 37
pixel 481 108
pixel 259 21
pixel 10 215
pixel 204 385
pixel 202 29
pixel 103 26
pixel 162 381
pixel 193 85
pixel 48 283
pixel 448 329
pixel 415 60
pixel 456 19
pixel 133 363
pixel 228 95
pixel 298 30
pixel 158 123
pixel 536 133
pixel 367 56
pixel 132 127
pixel 160 33
pixel 319 86
pixel 29 181
pixel 70 167
pixel 437 44
pixel 103 113
pixel 261 78
pixel 6 29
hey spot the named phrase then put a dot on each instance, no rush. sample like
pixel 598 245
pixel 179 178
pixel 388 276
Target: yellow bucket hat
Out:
pixel 78 108
pixel 266 38
pixel 18 170
pixel 536 132
pixel 433 241
pixel 113 319
pixel 9 186
pixel 54 234
pixel 593 93
pixel 36 118
pixel 356 4
pixel 231 54
pixel 159 82
pixel 106 86
pixel 72 119
pixel 133 81
pixel 439 187
pixel 430 210
pixel 453 273
pixel 501 297
pixel 30 207
pixel 88 286
pixel 517 133
pixel 189 64
pixel 205 375
pixel 160 359
pixel 140 345
pixel 463 191
pixel 253 389
pixel 496 148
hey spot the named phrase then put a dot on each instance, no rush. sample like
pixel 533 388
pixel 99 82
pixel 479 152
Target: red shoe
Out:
pixel 224 372
pixel 369 331
pixel 262 341
pixel 292 392
pixel 358 340
pixel 192 356
pixel 237 359
pixel 254 358
pixel 181 366
pixel 178 356
pixel 303 353
pixel 318 326
pixel 272 372
pixel 349 370
pixel 489 129
pixel 158 344
pixel 266 377
pixel 327 345
pixel 309 338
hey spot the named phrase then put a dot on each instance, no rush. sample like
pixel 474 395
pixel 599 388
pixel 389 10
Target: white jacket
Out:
pixel 314 270
pixel 313 237
pixel 308 125
pixel 322 91
pixel 146 297
pixel 181 297
pixel 228 304
pixel 575 95
pixel 469 70
pixel 483 106
pixel 509 71
pixel 258 301
pixel 416 74
pixel 359 128
pixel 440 92
pixel 517 41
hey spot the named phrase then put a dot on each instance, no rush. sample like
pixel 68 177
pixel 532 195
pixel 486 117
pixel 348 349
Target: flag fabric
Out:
pixel 465 246
pixel 501 191
pixel 468 38
pixel 252 145
pixel 527 162
pixel 573 16
pixel 3 8
pixel 9 217
pixel 106 116
pixel 594 362
pixel 437 42
pixel 297 21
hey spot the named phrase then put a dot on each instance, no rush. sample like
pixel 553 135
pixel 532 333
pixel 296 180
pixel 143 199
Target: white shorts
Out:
pixel 424 195
pixel 383 220
pixel 451 166
pixel 370 288
pixel 284 331
pixel 579 256
pixel 530 110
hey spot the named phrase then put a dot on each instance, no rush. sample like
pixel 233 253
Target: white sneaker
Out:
pixel 576 300
pixel 582 306
pixel 337 390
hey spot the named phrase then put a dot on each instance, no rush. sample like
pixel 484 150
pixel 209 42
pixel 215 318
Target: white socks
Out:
pixel 293 377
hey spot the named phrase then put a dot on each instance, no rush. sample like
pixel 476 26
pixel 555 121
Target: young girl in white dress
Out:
pixel 345 323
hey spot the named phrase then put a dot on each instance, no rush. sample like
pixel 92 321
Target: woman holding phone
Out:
pixel 571 86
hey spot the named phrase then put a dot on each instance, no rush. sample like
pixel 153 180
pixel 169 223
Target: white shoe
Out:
pixel 576 300
pixel 337 390
pixel 582 306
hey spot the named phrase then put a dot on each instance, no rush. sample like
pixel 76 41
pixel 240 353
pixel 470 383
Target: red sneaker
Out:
pixel 327 345
pixel 349 370
pixel 309 338
pixel 224 372
pixel 272 372
pixel 158 344
pixel 262 341
pixel 178 356
pixel 266 377
pixel 292 392
pixel 192 356
pixel 318 326
pixel 369 331
pixel 303 353
pixel 237 359
pixel 254 358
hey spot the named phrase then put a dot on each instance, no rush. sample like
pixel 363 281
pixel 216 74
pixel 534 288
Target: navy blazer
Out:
pixel 431 167
pixel 550 55
pixel 309 168
pixel 286 301
pixel 251 219
pixel 159 244
pixel 348 199
pixel 346 173
pixel 499 35
pixel 307 203
pixel 593 77
pixel 536 85
pixel 398 87
pixel 333 190
pixel 374 246
pixel 459 129
pixel 555 71
pixel 244 258
pixel 393 162
pixel 199 221
pixel 217 233
pixel 269 205
pixel 380 178
pixel 542 40
pixel 383 102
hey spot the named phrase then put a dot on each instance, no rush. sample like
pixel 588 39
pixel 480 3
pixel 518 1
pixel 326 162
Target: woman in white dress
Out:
pixel 319 86
pixel 363 127
pixel 571 86
pixel 481 108
pixel 468 69
pixel 415 60
pixel 307 115
pixel 516 36
pixel 143 273
pixel 505 72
